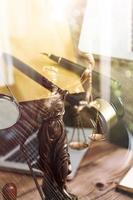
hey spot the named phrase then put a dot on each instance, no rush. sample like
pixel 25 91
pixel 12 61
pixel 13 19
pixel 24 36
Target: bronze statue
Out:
pixel 53 151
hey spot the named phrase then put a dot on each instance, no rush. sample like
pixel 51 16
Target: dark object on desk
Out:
pixel 9 192
pixel 53 151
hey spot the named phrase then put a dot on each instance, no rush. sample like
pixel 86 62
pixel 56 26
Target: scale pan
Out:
pixel 78 145
pixel 9 112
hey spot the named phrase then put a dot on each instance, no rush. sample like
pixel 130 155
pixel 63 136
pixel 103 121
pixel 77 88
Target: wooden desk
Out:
pixel 98 174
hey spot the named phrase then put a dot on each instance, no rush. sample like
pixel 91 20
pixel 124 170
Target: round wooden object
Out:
pixel 9 191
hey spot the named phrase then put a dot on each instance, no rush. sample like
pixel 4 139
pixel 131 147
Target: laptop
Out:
pixel 14 161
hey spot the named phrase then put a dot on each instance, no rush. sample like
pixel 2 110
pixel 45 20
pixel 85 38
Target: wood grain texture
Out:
pixel 96 179
pixel 100 171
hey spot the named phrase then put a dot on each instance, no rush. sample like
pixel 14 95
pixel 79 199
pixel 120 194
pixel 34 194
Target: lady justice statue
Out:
pixel 53 151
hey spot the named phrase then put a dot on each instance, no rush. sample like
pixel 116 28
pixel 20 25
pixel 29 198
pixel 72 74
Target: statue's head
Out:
pixel 53 106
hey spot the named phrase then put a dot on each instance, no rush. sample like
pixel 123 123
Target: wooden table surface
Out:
pixel 99 172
